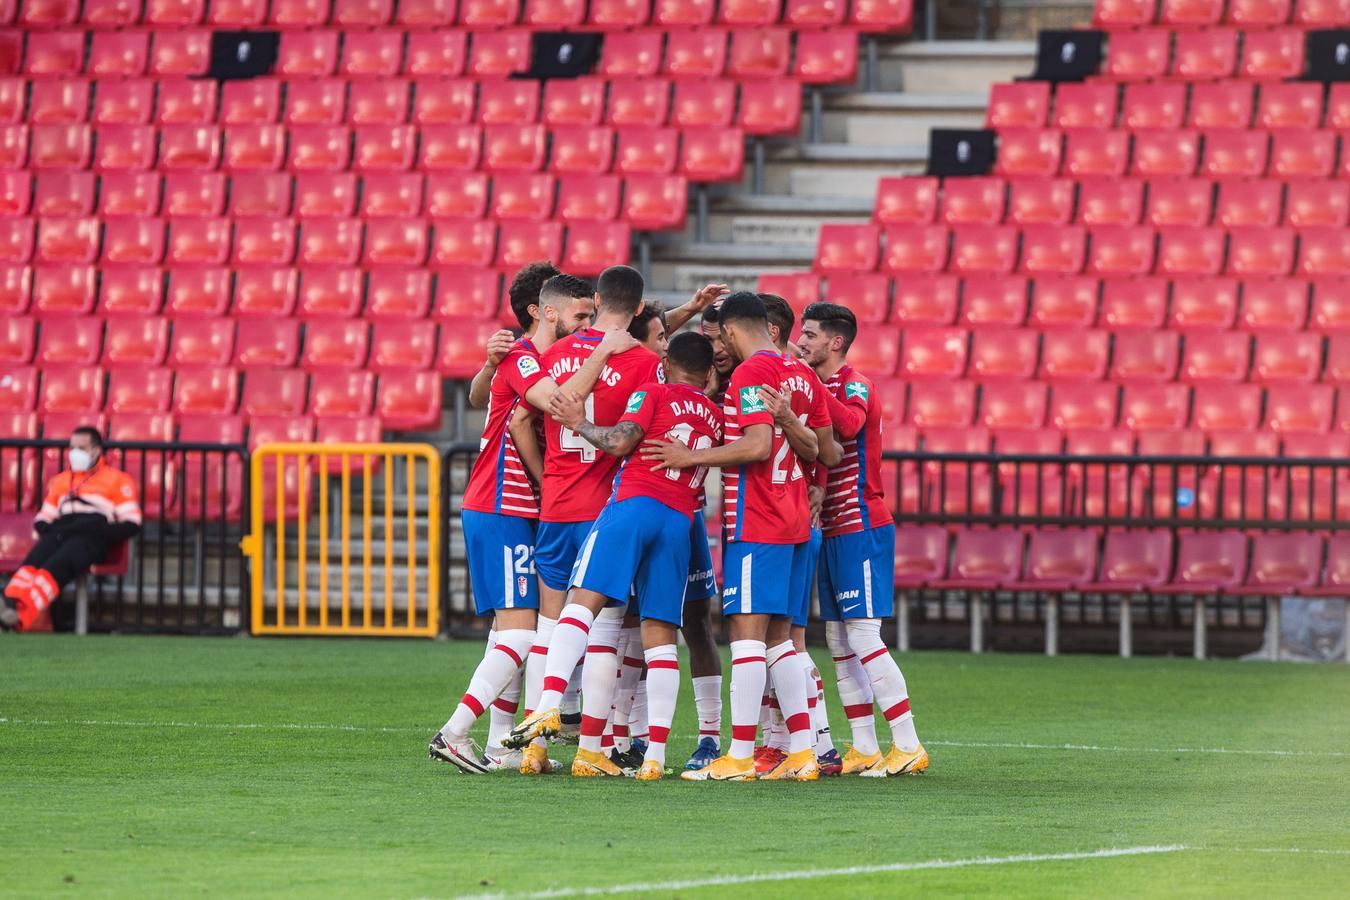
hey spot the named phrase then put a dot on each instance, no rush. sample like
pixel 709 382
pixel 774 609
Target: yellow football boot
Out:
pixel 540 723
pixel 593 764
pixel 800 766
pixel 898 762
pixel 857 762
pixel 534 761
pixel 651 771
pixel 724 768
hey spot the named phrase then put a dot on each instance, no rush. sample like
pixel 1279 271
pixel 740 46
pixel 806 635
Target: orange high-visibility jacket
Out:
pixel 104 490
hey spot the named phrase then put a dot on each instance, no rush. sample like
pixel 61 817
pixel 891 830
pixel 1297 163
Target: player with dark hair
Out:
pixel 523 297
pixel 765 518
pixel 500 511
pixel 640 536
pixel 88 508
pixel 857 559
pixel 649 328
pixel 575 483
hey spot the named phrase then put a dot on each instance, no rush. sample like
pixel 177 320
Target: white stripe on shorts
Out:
pixel 583 561
pixel 508 587
pixel 747 565
pixel 867 586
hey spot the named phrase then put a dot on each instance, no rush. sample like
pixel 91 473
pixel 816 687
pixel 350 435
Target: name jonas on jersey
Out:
pixel 696 408
pixel 570 365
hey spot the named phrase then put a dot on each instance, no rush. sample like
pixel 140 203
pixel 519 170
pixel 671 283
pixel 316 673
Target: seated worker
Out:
pixel 88 509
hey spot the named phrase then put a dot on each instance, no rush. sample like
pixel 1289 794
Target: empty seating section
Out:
pixel 1157 265
pixel 333 239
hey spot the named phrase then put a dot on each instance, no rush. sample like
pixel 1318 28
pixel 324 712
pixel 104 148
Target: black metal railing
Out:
pixel 185 572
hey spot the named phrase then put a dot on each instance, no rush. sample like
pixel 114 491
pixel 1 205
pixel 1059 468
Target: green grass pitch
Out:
pixel 182 767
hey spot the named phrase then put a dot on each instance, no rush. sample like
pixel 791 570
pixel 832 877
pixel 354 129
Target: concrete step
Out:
pixel 885 117
pixel 952 66
pixel 683 277
pixel 834 170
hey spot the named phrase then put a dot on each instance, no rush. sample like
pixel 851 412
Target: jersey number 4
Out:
pixel 684 434
pixel 571 442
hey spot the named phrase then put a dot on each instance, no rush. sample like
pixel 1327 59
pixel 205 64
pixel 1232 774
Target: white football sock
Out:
pixel 855 689
pixel 534 666
pixel 815 704
pixel 663 687
pixel 565 650
pixel 624 690
pixel 599 674
pixel 773 728
pixel 492 675
pixel 637 718
pixel 786 674
pixel 708 704
pixel 864 636
pixel 571 700
pixel 748 675
pixel 502 715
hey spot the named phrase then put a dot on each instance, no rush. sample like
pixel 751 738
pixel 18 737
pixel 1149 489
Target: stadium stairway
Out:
pixel 864 132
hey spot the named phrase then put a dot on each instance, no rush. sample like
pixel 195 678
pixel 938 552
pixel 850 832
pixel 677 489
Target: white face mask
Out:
pixel 80 460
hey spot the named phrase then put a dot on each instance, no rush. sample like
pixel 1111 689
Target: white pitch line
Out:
pixel 373 729
pixel 804 874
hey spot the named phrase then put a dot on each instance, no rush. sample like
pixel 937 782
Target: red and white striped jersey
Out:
pixel 498 482
pixel 854 500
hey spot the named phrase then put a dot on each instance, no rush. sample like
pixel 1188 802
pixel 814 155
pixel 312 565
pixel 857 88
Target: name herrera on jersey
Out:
pixel 798 383
pixel 571 365
pixel 697 408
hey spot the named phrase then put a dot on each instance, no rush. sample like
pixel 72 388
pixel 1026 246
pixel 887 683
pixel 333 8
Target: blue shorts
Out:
pixel 556 547
pixel 757 578
pixel 501 561
pixel 857 575
pixel 638 544
pixel 702 584
pixel 804 560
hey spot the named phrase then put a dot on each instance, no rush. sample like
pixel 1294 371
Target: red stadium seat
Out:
pixel 867 295
pixel 382 102
pixel 1292 105
pixel 1048 250
pixel 362 13
pixel 1110 201
pixel 520 243
pixel 1223 357
pixel 1235 154
pixel 593 247
pixel 1209 561
pixel 1323 251
pixel 942 404
pixel 1258 13
pixel 445 102
pixel 1272 55
pixel 1321 13
pixel 1245 203
pixel 1111 14
pixel 934 353
pixel 920 555
pixel 186 103
pixel 442 53
pixel 1085 106
pixel 1135 560
pixel 584 151
pixel 905 201
pixel 58 102
pixel 176 53
pixel 703 104
pixel 1283 564
pixel 74 342
pixel 488 13
pixel 307 54
pixel 66 241
pixel 1302 154
pixel 13 146
pixel 984 560
pixel 1064 301
pixel 646 151
pixel 194 194
pixel 15 288
pixel 826 57
pixel 1286 358
pixel 696 54
pixel 499 54
pixel 850 248
pixel 988 249
pixel 260 194
pixel 1299 407
pixel 1060 559
pixel 1220 104
pixel 882 15
pixel 799 289
pixel 969 201
pixel 513 148
pixel 457 196
pixel 318 148
pixel 115 54
pixel 16 240
pixel 913 248
pixel 54 53
pixel 471 293
pixel 1121 250
pixel 384 148
pixel 1330 307
pixel 1028 152
pixel 1083 406
pixel 275 392
pixel 639 102
pixel 710 154
pixel 999 355
pixel 18 389
pixel 1012 405
pixel 925 300
pixel 315 101
pixel 60 147
pixel 1190 251
pixel 17 341
pixel 236 12
pixel 131 291
pixel 335 345
pixel 329 242
pixel 63 291
pixel 145 389
pixel 1042 202
pixel 760 54
pixel 198 292
pixel 137 342
pixel 619 14
pixel 464 244
pixel 398 294
pixel 566 14
pixel 1167 154
pixel 1145 357
pixel 330 293
pixel 324 195
pixel 119 13
pixel 409 345
pixel 206 392
pixel 634 54
pixel 508 102
pixel 1274 305
pixel 577 101
pixel 1074 356
pixel 1138 55
pixel 393 194
pixel 267 344
pixel 298 13
pixel 1155 407
pixel 461 353
pixel 651 202
pixel 1096 154
pixel 129 194
pixel 188 147
pixel 375 54
pixel 1203 55
pixel 878 351
pixel 198 242
pixel 202 342
pixel 1261 251
pixel 264 242
pixel 1208 304
pixel 1021 104
pixel 123 102
pixel 748 13
pixel 54 194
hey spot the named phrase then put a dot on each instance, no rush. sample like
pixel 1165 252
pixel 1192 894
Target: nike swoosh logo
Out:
pixel 852 608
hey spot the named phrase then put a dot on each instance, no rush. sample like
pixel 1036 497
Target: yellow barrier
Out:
pixel 282 516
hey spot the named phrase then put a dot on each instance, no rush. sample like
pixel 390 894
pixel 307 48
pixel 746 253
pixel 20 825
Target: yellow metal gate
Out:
pixel 345 539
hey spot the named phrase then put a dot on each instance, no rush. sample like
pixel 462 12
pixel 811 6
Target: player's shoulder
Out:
pixel 853 383
pixel 636 358
pixel 525 357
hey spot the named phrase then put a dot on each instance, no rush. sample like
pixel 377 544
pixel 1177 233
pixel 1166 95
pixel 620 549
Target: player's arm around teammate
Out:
pixel 480 389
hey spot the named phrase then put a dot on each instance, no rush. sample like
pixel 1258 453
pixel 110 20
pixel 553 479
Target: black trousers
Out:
pixel 66 556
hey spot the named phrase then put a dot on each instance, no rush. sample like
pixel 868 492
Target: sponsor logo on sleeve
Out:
pixel 527 366
pixel 635 401
pixel 855 389
pixel 751 401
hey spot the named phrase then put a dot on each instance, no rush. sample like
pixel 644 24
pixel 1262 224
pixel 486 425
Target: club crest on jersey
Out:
pixel 751 401
pixel 635 401
pixel 527 366
pixel 522 586
pixel 855 389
